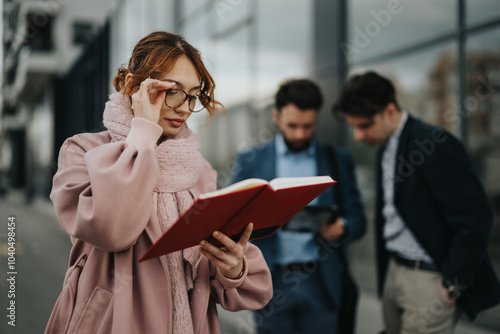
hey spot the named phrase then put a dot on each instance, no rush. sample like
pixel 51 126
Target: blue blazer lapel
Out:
pixel 267 161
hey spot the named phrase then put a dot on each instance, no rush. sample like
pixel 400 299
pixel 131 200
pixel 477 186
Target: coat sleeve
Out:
pixel 102 193
pixel 251 292
pixel 354 217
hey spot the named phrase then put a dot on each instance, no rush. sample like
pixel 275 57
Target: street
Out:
pixel 41 255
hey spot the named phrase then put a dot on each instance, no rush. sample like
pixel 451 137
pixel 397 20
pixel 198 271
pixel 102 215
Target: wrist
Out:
pixel 452 295
pixel 240 274
pixel 229 283
pixel 143 133
pixel 454 291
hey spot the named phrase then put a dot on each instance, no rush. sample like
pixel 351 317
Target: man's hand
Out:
pixel 447 297
pixel 333 231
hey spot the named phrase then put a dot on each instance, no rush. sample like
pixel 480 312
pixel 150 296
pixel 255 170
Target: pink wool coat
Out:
pixel 105 289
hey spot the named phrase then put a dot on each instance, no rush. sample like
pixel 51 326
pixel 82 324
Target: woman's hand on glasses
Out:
pixel 148 100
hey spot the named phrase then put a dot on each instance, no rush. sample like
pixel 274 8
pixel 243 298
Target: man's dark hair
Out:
pixel 365 95
pixel 303 93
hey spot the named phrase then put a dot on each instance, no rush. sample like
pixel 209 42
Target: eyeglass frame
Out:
pixel 187 96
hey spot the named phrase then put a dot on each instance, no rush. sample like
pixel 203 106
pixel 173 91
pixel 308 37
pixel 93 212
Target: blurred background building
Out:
pixel 59 58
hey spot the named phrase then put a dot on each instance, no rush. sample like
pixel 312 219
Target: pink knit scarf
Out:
pixel 181 166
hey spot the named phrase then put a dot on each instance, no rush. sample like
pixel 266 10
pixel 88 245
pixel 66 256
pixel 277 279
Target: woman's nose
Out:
pixel 184 108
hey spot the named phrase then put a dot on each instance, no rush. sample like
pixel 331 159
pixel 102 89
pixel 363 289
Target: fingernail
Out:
pixel 216 234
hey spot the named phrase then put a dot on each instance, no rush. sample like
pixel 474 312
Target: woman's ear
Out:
pixel 127 78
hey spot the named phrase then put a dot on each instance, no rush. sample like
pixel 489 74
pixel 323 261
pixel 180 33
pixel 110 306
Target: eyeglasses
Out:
pixel 176 97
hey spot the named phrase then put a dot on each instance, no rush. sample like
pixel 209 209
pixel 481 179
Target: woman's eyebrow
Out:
pixel 196 88
pixel 180 85
pixel 177 83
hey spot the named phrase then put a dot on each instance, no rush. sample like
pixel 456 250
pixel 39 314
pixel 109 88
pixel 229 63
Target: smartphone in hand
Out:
pixel 311 218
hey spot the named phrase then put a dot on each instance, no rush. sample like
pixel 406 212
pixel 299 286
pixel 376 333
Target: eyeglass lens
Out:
pixel 176 97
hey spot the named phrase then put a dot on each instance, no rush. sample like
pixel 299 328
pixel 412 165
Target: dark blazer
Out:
pixel 442 201
pixel 260 162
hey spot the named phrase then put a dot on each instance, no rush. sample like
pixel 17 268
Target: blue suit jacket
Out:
pixel 442 201
pixel 260 162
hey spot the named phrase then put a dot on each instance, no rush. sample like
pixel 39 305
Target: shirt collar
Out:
pixel 395 136
pixel 283 150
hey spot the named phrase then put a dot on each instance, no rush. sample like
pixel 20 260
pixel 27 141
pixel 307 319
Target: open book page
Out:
pixel 242 185
pixel 230 209
pixel 291 182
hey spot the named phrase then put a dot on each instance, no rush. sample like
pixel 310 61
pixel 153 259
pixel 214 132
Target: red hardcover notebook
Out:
pixel 269 205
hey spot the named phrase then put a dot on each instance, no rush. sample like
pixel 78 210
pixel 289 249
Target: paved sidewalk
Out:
pixel 369 317
pixel 369 320
pixel 42 256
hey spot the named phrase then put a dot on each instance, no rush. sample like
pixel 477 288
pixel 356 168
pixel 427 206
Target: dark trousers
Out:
pixel 299 305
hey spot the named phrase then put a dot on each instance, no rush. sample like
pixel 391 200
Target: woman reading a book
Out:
pixel 117 191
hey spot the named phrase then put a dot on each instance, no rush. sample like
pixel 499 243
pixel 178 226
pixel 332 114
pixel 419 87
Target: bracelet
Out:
pixel 241 273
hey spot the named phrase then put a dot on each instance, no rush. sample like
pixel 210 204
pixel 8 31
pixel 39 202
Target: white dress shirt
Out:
pixel 398 237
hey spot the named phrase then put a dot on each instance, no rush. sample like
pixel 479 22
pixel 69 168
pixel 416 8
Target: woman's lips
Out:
pixel 176 122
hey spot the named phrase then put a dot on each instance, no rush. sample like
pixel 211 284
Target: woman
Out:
pixel 117 191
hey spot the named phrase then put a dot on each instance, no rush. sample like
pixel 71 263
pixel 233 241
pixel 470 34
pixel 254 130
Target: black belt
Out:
pixel 305 266
pixel 415 264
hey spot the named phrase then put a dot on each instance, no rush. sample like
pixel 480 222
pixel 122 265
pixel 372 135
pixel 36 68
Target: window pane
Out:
pixel 284 47
pixel 483 80
pixel 479 11
pixel 230 13
pixel 232 69
pixel 195 32
pixel 482 109
pixel 191 6
pixel 379 26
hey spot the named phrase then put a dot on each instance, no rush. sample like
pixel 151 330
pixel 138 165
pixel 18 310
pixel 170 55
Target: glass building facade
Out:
pixel 443 56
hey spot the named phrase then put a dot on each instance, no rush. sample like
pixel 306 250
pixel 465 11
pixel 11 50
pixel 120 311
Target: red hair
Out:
pixel 155 55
